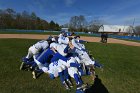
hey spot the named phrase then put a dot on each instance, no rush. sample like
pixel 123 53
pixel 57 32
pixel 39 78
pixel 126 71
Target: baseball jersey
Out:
pixel 76 44
pixel 41 45
pixel 63 40
pixel 59 47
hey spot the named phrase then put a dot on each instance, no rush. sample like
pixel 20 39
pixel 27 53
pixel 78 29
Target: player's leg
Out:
pixel 67 78
pixel 38 72
pixel 25 65
pixel 30 53
pixel 62 78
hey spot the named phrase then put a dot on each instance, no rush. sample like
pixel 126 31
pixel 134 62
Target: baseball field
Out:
pixel 120 74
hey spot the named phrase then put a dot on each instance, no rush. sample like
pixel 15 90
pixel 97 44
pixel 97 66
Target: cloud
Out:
pixel 123 6
pixel 121 20
pixel 132 18
pixel 123 12
pixel 37 4
pixel 69 2
pixel 61 17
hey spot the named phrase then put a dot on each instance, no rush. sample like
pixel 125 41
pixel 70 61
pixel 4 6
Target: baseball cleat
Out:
pixel 34 75
pixel 69 83
pixel 81 86
pixel 22 66
pixel 66 85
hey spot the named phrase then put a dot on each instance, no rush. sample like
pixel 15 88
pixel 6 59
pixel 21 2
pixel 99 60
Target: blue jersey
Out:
pixel 58 56
pixel 45 56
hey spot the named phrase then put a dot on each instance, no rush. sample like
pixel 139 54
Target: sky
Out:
pixel 115 12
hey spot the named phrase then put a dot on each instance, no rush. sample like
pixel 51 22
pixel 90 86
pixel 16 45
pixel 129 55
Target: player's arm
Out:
pixel 66 49
pixel 75 44
pixel 53 49
pixel 82 41
pixel 71 45
pixel 58 56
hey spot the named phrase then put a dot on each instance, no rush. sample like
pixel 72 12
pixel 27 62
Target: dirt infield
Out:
pixel 90 39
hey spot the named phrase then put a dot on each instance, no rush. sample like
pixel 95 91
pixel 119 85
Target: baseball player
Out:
pixel 55 69
pixel 63 39
pixel 72 65
pixel 78 43
pixel 40 60
pixel 87 63
pixel 34 51
pixel 60 48
pixel 36 48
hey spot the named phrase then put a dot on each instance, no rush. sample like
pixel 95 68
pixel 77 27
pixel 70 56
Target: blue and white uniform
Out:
pixel 73 70
pixel 59 48
pixel 76 43
pixel 84 57
pixel 72 66
pixel 62 39
pixel 36 48
pixel 55 68
pixel 44 58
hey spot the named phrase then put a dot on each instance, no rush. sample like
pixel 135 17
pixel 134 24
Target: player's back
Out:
pixel 41 45
pixel 60 49
pixel 63 40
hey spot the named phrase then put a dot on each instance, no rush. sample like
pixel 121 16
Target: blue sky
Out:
pixel 121 12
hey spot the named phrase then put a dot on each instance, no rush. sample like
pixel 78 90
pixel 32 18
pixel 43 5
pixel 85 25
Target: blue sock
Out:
pixel 61 77
pixel 66 74
pixel 34 65
pixel 75 65
pixel 30 63
pixel 76 78
pixel 81 71
pixel 80 80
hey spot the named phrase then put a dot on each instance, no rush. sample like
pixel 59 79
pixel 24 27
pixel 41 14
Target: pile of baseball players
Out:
pixel 63 56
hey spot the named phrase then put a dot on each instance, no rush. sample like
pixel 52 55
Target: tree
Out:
pixel 51 25
pixel 77 23
pixel 94 25
pixel 1 19
pixel 19 21
pixel 137 28
pixel 33 20
pixel 33 16
pixel 74 22
pixel 9 19
pixel 82 23
pixel 57 27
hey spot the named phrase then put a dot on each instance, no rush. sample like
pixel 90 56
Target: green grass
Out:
pixel 138 41
pixel 120 75
pixel 121 66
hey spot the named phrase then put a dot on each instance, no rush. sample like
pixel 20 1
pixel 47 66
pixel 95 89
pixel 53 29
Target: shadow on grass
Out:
pixel 97 87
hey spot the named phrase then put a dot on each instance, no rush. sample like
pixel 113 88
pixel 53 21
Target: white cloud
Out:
pixel 122 20
pixel 69 2
pixel 123 6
